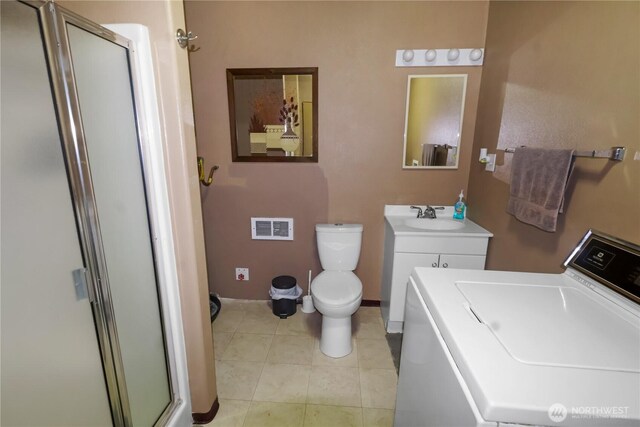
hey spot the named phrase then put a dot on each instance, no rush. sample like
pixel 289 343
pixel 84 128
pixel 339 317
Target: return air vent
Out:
pixel 272 228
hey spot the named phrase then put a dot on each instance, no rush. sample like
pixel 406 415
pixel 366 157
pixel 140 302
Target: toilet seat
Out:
pixel 337 288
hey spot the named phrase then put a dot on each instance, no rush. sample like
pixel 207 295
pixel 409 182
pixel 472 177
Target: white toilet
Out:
pixel 337 291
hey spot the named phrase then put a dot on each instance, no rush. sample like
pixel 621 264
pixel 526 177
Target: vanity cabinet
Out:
pixel 405 249
pixel 472 262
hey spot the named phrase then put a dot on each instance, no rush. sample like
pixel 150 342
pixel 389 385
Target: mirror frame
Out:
pixel 232 73
pixel 406 120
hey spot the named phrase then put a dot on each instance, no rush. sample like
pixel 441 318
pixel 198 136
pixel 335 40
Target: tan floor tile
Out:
pixel 301 324
pixel 260 307
pixel 248 347
pixel 368 327
pixel 348 361
pixel 230 414
pixel 378 388
pixel 228 320
pixel 258 322
pixel 337 392
pixel 283 383
pixel 330 385
pixel 220 343
pixel 330 416
pixel 268 414
pixel 368 312
pixel 232 303
pixel 374 354
pixel 291 349
pixel 377 417
pixel 236 379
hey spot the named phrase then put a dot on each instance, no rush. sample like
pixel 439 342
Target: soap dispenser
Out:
pixel 459 208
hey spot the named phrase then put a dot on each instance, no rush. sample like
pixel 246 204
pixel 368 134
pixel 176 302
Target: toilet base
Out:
pixel 336 336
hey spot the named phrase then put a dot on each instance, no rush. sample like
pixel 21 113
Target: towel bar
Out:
pixel 616 153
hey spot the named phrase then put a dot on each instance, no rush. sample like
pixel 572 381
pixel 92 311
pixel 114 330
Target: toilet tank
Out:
pixel 339 246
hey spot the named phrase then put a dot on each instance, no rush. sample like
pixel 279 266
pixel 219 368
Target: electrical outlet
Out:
pixel 242 274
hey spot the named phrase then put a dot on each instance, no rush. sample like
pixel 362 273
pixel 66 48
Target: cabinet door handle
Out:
pixel 445 265
pixel 435 264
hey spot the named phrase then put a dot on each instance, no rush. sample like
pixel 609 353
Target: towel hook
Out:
pixel 203 181
pixel 183 38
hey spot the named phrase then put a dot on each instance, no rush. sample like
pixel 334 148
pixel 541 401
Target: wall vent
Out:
pixel 272 228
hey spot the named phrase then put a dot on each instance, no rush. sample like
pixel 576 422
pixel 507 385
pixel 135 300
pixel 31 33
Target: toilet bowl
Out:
pixel 337 291
pixel 336 295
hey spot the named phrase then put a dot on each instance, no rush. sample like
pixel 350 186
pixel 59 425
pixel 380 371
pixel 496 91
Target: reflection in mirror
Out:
pixel 273 113
pixel 433 123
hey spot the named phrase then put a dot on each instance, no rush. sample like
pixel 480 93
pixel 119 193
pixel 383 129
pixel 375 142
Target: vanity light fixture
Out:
pixel 407 55
pixel 439 57
pixel 475 54
pixel 453 54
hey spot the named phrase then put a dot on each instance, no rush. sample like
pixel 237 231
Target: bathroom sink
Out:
pixel 434 224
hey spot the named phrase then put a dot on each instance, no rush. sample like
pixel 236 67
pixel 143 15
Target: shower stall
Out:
pixel 91 328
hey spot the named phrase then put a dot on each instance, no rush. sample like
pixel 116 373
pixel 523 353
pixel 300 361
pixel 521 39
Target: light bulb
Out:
pixel 453 54
pixel 430 55
pixel 407 55
pixel 475 54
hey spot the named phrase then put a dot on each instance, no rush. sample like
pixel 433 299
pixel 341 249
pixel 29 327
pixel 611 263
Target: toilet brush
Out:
pixel 307 300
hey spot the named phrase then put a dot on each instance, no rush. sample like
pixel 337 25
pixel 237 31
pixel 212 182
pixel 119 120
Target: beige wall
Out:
pixel 559 75
pixel 173 88
pixel 361 124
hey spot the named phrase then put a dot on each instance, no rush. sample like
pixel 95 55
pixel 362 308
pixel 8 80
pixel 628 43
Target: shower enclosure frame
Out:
pixel 53 21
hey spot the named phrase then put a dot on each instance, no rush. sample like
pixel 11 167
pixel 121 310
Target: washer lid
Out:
pixel 525 342
pixel 555 326
pixel 337 287
pixel 339 228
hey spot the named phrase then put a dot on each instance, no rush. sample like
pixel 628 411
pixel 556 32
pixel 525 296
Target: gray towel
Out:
pixel 538 183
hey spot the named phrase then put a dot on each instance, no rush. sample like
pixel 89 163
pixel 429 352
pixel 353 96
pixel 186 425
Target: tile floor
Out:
pixel 271 372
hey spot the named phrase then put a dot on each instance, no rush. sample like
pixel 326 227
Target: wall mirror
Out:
pixel 433 122
pixel 273 114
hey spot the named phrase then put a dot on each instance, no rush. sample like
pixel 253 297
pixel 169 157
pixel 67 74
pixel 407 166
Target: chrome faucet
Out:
pixel 428 212
pixel 419 211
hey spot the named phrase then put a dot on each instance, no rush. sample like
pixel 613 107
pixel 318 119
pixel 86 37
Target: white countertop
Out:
pixel 396 215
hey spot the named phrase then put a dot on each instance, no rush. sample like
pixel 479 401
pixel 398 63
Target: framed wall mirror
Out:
pixel 433 122
pixel 273 114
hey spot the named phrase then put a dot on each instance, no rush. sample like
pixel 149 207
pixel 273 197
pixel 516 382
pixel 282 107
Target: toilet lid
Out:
pixel 339 228
pixel 337 287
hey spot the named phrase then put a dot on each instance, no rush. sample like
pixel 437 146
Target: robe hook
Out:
pixel 206 182
pixel 183 38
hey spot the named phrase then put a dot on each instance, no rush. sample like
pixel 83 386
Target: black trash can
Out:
pixel 283 307
pixel 214 306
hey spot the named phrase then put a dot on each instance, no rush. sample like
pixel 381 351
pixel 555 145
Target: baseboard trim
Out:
pixel 370 303
pixel 206 418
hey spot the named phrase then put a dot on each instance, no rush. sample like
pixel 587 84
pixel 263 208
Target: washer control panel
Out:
pixel 611 261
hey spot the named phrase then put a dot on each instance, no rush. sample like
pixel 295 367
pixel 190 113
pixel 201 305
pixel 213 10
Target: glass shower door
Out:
pixel 104 91
pixel 51 361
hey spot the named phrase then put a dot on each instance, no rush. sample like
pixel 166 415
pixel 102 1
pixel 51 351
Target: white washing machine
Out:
pixel 495 348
